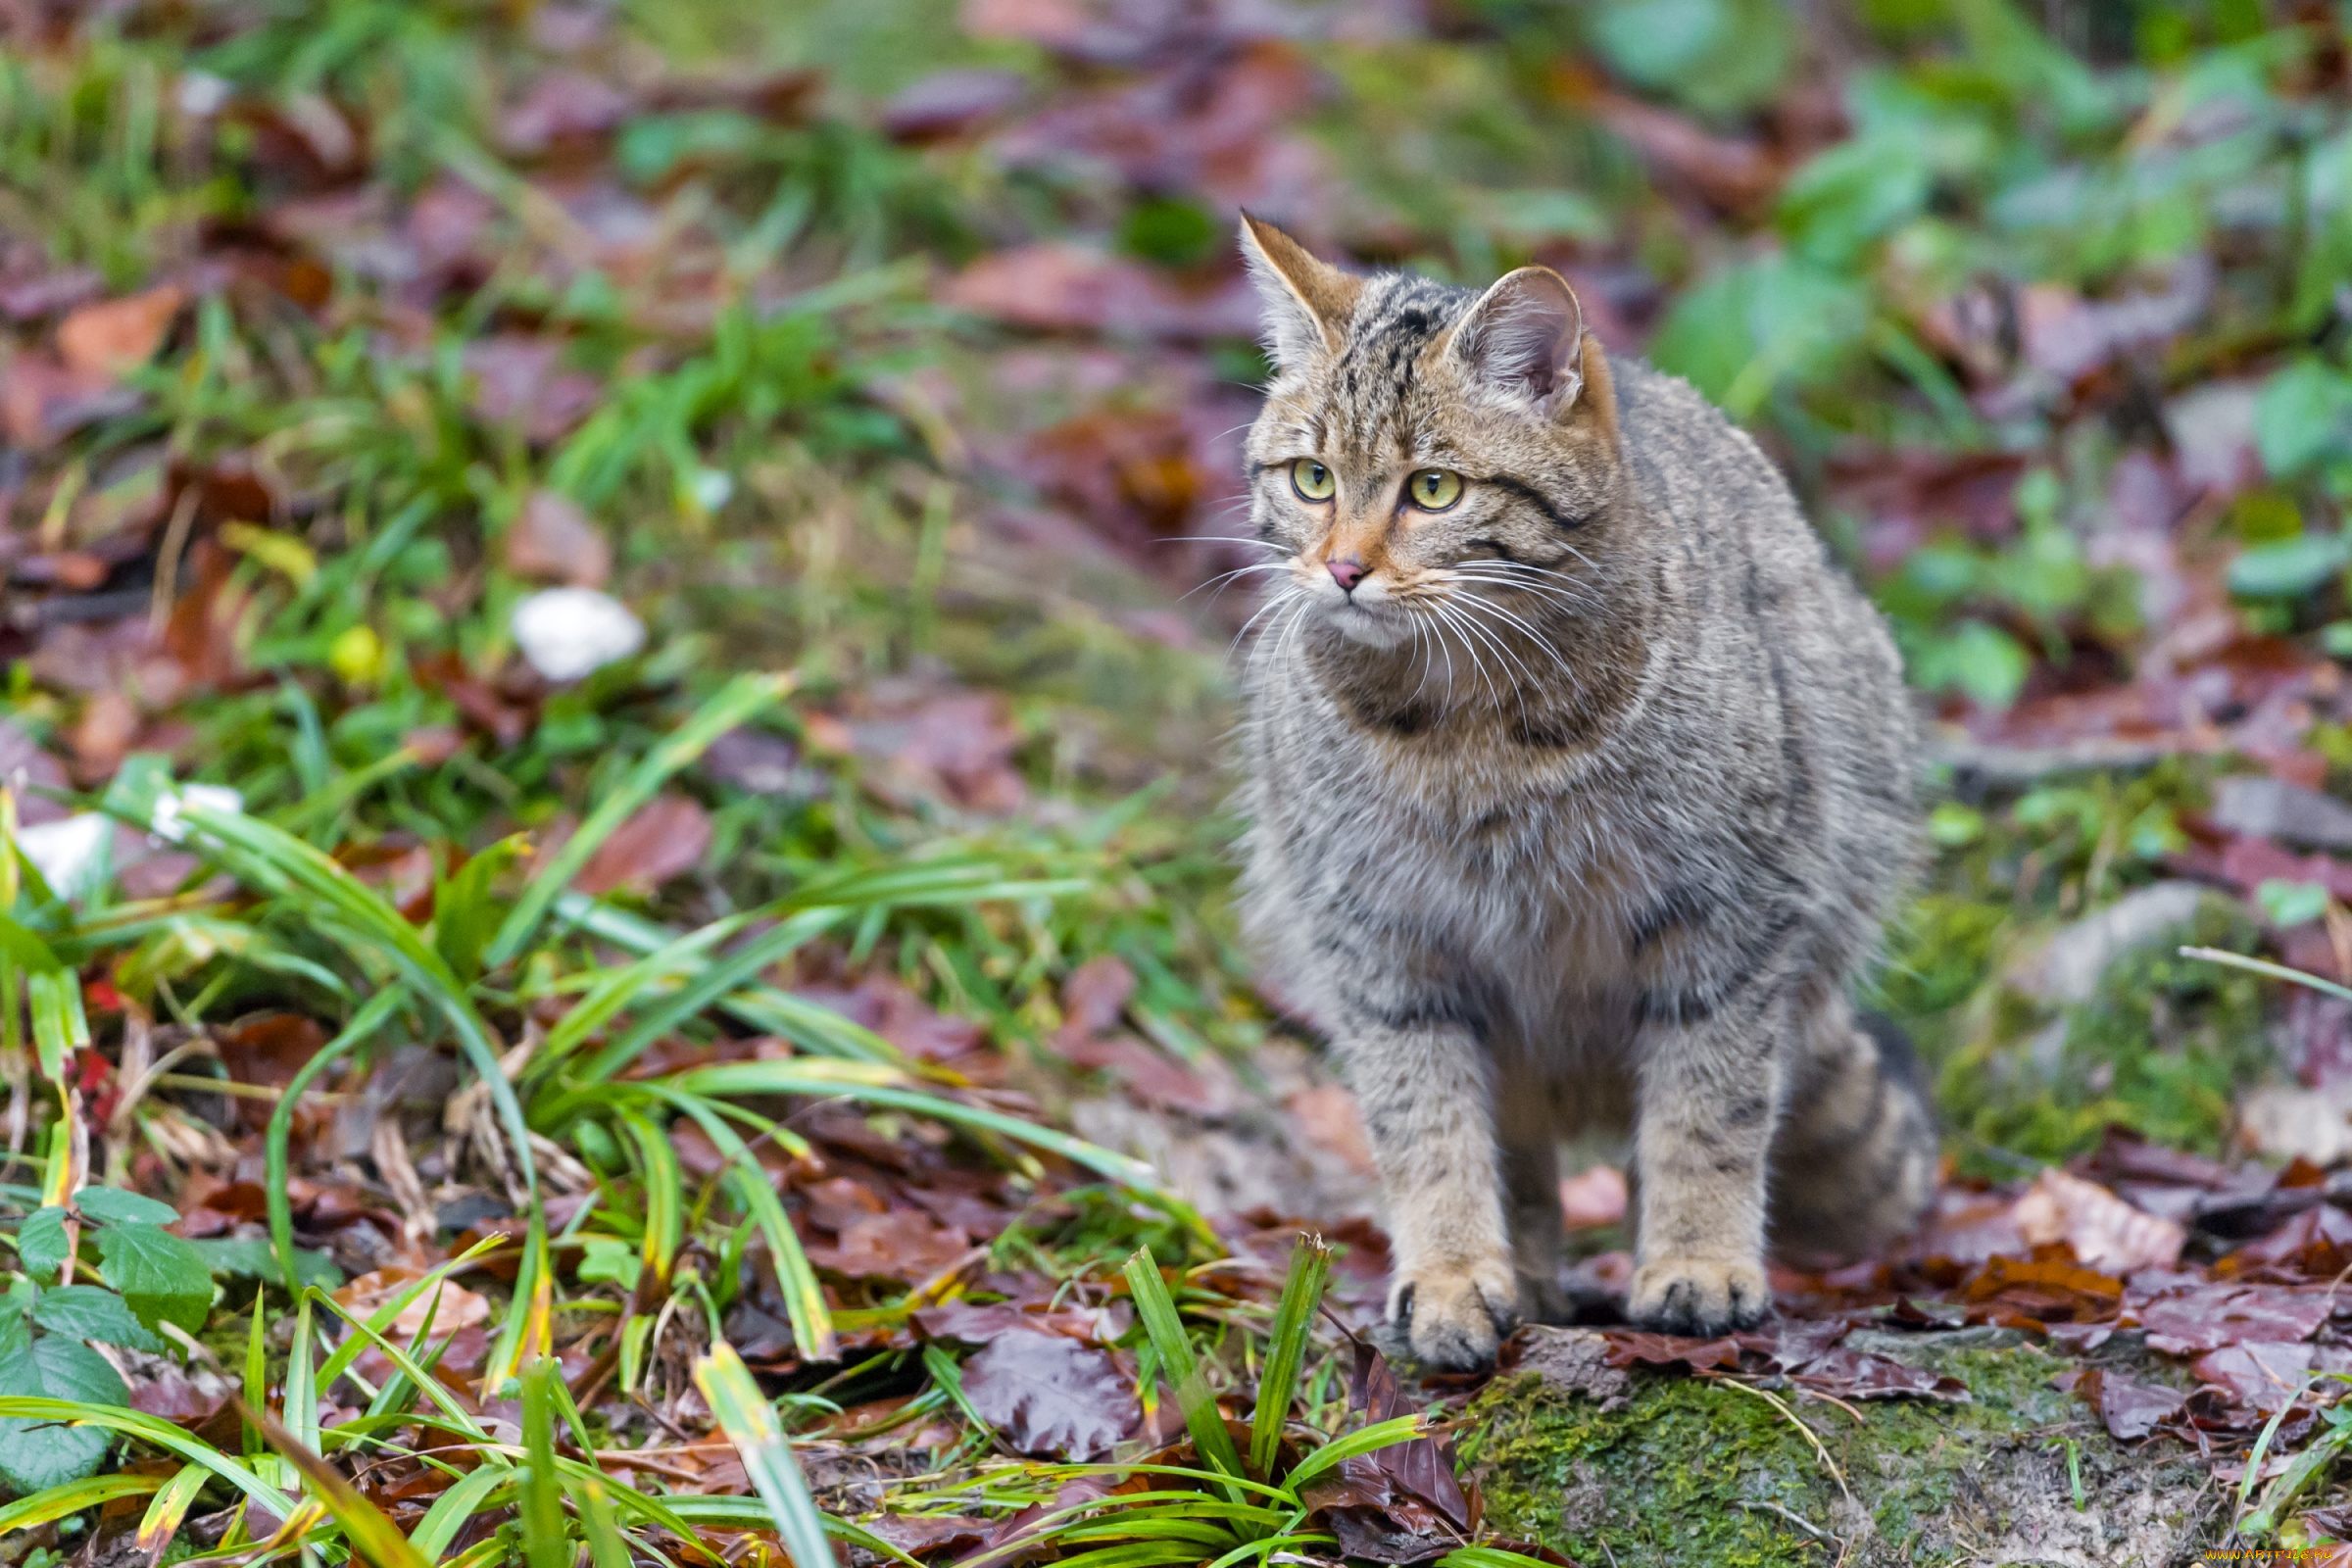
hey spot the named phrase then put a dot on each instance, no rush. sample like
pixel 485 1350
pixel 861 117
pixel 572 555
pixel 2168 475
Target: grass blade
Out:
pixel 369 1532
pixel 1286 1353
pixel 665 1203
pixel 1201 1419
pixel 74 1496
pixel 749 1423
pixel 546 1542
pixel 605 1547
pixel 741 699
pixel 267 857
pixel 169 1511
pixel 362 1026
pixel 148 1429
pixel 466 1496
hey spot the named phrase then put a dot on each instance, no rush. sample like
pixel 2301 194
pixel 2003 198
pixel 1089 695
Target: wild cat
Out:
pixel 1579 781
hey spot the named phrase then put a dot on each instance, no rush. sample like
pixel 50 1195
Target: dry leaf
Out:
pixel 2106 1233
pixel 118 335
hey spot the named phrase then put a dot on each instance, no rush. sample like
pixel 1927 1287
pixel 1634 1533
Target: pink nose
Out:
pixel 1347 574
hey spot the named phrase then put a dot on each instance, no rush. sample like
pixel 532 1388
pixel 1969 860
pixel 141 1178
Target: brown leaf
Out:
pixel 1048 1395
pixel 950 102
pixel 519 380
pixel 2132 1410
pixel 2208 1317
pixel 904 1245
pixel 901 1017
pixel 2264 1375
pixel 552 538
pixel 1632 1347
pixel 562 106
pixel 1095 995
pixel 1569 1360
pixel 118 335
pixel 270 1048
pixel 458 1308
pixel 2106 1233
pixel 665 837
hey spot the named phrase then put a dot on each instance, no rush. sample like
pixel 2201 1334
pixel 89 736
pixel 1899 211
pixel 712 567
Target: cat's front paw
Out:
pixel 1698 1296
pixel 1455 1319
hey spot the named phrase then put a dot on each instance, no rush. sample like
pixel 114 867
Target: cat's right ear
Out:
pixel 1307 303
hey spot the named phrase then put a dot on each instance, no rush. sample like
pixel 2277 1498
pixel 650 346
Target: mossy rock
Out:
pixel 1686 1472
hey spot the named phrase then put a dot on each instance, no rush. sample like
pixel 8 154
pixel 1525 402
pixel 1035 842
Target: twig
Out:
pixel 1809 1527
pixel 1797 1421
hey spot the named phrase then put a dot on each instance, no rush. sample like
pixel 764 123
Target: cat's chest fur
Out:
pixel 1517 859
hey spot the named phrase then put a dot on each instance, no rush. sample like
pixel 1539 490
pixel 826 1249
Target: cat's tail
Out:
pixel 1855 1159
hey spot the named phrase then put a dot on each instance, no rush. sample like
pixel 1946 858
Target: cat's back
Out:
pixel 1740 555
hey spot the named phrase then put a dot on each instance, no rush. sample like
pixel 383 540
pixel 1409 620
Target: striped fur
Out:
pixel 1580 810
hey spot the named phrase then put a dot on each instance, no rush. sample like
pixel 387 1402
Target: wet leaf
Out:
pixel 1050 1397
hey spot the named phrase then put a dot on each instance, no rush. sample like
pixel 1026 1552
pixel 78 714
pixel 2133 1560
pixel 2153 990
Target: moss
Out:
pixel 1689 1471
pixel 2161 1049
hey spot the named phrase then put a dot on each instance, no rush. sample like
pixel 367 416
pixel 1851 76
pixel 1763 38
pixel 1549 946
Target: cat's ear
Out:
pixel 1307 303
pixel 1526 337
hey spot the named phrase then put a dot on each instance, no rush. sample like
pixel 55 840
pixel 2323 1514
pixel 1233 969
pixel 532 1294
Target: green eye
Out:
pixel 1433 489
pixel 1312 480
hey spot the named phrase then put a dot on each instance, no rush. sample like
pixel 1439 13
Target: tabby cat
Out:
pixel 1579 782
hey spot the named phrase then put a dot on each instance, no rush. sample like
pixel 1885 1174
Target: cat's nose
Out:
pixel 1345 571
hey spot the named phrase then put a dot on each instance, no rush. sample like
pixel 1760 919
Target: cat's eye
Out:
pixel 1312 480
pixel 1433 489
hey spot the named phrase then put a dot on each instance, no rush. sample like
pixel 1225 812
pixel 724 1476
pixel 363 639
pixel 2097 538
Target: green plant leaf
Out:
pixel 36 1454
pixel 41 1242
pixel 163 1279
pixel 112 1205
pixel 249 1258
pixel 90 1313
pixel 2288 568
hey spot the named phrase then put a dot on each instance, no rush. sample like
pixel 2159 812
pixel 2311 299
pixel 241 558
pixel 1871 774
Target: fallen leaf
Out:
pixel 552 538
pixel 2132 1411
pixel 2264 1375
pixel 665 837
pixel 2208 1317
pixel 903 1244
pixel 2106 1233
pixel 107 339
pixel 1095 995
pixel 1568 1361
pixel 459 1307
pixel 1048 1395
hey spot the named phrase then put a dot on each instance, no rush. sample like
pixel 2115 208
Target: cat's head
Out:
pixel 1422 444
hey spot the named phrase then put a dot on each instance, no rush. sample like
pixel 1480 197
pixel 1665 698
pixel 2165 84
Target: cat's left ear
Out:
pixel 1526 337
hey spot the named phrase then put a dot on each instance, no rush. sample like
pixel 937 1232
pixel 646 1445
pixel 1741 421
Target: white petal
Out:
pixel 71 854
pixel 567 632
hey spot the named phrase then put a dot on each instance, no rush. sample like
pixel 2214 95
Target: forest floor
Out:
pixel 619 641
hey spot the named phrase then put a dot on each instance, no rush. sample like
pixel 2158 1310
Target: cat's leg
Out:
pixel 1708 1095
pixel 1527 1134
pixel 1421 1079
pixel 1854 1160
